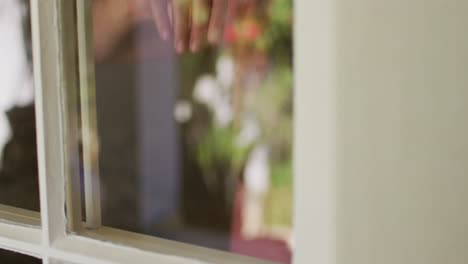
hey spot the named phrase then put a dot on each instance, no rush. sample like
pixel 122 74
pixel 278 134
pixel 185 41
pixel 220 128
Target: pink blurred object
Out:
pixel 230 34
pixel 263 248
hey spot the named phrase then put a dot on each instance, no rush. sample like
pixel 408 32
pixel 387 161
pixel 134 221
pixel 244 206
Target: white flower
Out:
pixel 257 171
pixel 225 71
pixel 223 112
pixel 183 111
pixel 249 133
pixel 206 90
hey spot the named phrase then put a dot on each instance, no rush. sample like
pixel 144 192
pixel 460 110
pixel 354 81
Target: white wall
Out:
pixel 402 131
pixel 381 131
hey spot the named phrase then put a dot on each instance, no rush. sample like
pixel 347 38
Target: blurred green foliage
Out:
pixel 216 149
pixel 273 108
pixel 278 209
pixel 277 37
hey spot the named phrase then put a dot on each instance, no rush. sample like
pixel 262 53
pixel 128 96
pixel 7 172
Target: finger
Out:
pixel 170 7
pixel 181 19
pixel 217 20
pixel 232 11
pixel 199 28
pixel 161 18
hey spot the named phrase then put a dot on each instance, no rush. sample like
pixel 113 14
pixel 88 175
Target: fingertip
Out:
pixel 213 36
pixel 194 46
pixel 180 47
pixel 164 35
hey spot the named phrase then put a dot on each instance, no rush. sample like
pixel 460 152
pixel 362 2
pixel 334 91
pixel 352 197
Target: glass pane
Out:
pixel 194 121
pixel 18 158
pixel 17 258
pixel 54 261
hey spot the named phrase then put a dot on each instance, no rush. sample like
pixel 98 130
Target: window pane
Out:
pixel 18 159
pixel 16 258
pixel 195 138
pixel 53 261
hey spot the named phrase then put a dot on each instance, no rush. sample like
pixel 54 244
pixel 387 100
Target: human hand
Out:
pixel 190 24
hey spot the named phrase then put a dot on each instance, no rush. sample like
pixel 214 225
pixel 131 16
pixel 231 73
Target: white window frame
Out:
pixel 54 236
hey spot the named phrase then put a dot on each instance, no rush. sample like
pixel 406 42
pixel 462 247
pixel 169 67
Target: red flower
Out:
pixel 247 31
pixel 251 30
pixel 230 34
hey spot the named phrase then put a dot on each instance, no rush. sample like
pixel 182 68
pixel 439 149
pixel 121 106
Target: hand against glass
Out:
pixel 190 24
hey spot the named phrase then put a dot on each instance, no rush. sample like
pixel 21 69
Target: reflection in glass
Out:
pixel 17 258
pixel 18 161
pixel 195 133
